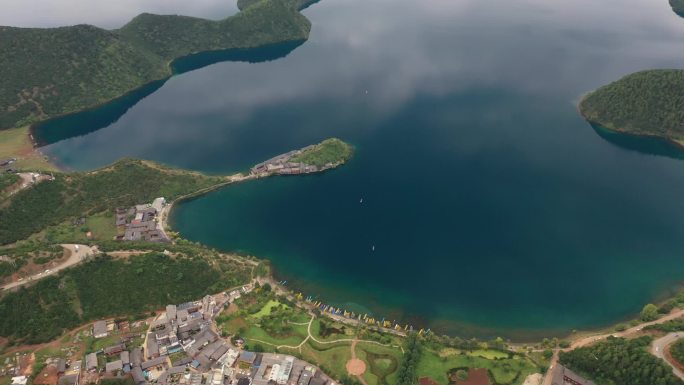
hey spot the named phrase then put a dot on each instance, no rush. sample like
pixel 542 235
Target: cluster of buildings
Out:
pixel 565 376
pixel 142 222
pixel 182 347
pixel 281 165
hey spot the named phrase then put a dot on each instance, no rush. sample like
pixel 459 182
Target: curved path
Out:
pixel 78 254
pixel 659 347
pixel 310 336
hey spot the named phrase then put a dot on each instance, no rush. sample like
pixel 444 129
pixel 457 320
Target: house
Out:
pixel 159 361
pixel 171 312
pixel 114 349
pixel 243 381
pixel 125 357
pixel 138 376
pixel 19 380
pixel 152 348
pixel 91 362
pixel 61 366
pixel 305 377
pixel 247 357
pixel 136 357
pixel 113 366
pixel 71 379
pixel 318 381
pixel 563 376
pixel 100 329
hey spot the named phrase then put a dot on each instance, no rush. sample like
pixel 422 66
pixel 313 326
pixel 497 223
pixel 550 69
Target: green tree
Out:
pixel 649 313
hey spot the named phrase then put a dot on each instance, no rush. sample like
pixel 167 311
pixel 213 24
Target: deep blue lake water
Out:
pixel 493 207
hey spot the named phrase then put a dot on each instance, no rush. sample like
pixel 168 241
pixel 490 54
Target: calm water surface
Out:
pixel 489 201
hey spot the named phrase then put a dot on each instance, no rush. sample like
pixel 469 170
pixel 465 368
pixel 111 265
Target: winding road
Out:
pixel 584 341
pixel 77 254
pixel 660 345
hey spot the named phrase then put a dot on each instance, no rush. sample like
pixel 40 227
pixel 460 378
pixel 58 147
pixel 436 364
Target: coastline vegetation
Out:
pixel 646 103
pixel 677 351
pixel 70 196
pixel 620 361
pixel 49 72
pixel 329 151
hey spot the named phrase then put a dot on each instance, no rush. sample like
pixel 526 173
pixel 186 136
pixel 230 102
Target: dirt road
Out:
pixel 78 254
pixel 592 339
pixel 658 349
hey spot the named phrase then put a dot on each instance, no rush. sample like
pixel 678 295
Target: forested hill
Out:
pixel 54 71
pixel 678 6
pixel 643 103
pixel 72 196
pixel 108 287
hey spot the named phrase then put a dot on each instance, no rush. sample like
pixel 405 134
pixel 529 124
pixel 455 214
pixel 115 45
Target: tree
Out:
pixel 649 313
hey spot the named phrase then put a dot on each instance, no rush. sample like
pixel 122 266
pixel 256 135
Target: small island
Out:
pixel 646 103
pixel 316 158
pixel 677 7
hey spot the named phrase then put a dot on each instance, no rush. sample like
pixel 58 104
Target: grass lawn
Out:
pixel 381 363
pixel 488 354
pixel 295 338
pixel 334 330
pixel 504 371
pixel 266 310
pixel 95 344
pixel 332 358
pixel 102 225
pixel 328 151
pixel 15 143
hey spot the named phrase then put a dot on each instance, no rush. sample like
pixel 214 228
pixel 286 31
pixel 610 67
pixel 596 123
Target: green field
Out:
pixel 329 151
pixel 266 310
pixel 291 339
pixel 381 363
pixel 489 354
pixel 503 371
pixel 330 358
pixel 15 143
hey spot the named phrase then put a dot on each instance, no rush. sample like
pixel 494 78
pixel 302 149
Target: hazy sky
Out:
pixel 109 14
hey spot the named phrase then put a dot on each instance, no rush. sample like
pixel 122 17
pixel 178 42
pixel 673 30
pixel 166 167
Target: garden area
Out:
pixel 449 365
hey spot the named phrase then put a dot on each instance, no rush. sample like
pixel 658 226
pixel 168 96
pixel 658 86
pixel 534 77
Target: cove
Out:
pixel 494 209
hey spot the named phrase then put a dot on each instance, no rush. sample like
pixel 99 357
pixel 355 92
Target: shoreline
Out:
pixel 679 145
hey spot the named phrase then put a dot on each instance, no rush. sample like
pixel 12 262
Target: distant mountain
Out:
pixel 54 71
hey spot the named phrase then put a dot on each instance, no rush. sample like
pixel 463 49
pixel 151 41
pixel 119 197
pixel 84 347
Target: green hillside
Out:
pixel 643 103
pixel 106 287
pixel 678 6
pixel 53 71
pixel 75 195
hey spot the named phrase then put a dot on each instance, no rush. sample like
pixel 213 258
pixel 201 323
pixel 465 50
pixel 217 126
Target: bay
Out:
pixel 493 208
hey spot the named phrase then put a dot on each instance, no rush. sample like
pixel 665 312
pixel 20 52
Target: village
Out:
pixel 282 165
pixel 180 346
pixel 142 222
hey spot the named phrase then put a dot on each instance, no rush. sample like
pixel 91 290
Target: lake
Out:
pixel 490 207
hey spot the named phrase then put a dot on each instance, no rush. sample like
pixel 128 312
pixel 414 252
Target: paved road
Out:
pixel 75 257
pixel 658 350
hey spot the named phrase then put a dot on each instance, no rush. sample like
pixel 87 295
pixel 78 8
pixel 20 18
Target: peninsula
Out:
pixel 48 72
pixel 647 103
